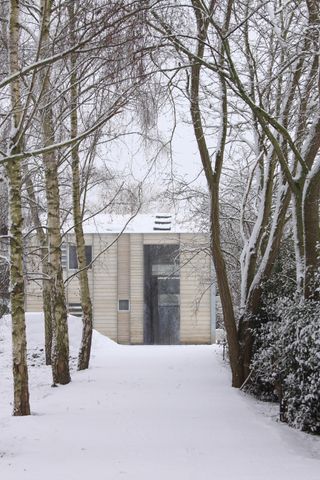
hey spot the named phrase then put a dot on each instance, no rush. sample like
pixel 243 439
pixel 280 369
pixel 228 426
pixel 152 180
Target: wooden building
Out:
pixel 150 281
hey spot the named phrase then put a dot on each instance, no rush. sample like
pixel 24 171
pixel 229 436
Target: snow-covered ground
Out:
pixel 143 413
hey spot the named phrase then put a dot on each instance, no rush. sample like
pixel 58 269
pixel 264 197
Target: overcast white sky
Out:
pixel 132 157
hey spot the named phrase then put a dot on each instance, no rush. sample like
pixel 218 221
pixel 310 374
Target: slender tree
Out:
pixel 85 347
pixel 42 240
pixel 60 344
pixel 13 169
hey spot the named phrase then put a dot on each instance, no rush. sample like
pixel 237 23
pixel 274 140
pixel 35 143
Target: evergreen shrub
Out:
pixel 286 363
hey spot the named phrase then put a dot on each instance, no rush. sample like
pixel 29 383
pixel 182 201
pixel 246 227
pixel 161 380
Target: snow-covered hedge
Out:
pixel 287 361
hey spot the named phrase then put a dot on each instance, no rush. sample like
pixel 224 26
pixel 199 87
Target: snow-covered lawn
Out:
pixel 143 413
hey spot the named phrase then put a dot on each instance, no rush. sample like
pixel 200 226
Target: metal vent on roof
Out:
pixel 162 223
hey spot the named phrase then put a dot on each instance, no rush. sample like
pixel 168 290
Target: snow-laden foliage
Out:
pixel 287 361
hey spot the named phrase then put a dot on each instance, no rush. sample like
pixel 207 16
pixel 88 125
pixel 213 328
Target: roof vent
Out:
pixel 162 223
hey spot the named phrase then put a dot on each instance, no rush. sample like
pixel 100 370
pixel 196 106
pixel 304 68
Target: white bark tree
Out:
pixel 21 404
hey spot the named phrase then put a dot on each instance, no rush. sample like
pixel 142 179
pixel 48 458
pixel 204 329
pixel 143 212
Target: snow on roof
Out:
pixel 141 223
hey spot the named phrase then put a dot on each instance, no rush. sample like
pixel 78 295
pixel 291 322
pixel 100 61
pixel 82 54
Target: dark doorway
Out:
pixel 161 295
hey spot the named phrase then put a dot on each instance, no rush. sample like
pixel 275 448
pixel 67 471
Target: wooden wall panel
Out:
pixel 136 288
pixel 160 238
pixel 105 291
pixel 124 328
pixel 118 274
pixel 195 298
pixel 124 287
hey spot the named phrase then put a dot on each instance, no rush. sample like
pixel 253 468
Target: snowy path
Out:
pixel 148 413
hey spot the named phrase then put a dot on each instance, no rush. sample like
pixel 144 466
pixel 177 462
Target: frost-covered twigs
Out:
pixel 253 80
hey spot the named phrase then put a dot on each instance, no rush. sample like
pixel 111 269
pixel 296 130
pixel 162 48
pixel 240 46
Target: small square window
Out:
pixel 75 309
pixel 124 305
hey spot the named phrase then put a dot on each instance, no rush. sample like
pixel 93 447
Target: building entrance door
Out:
pixel 161 295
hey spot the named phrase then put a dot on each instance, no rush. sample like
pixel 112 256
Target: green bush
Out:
pixel 286 363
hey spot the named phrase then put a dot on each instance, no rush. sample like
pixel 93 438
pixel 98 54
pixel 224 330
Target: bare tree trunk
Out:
pixel 267 262
pixel 4 245
pixel 60 345
pixel 47 310
pixel 85 348
pixel 312 238
pixel 225 295
pixel 298 229
pixel 311 193
pixel 213 178
pixel 46 288
pixel 19 342
pixel 253 301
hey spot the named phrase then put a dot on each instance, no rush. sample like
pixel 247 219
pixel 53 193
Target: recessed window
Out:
pixel 64 255
pixel 73 260
pixel 124 305
pixel 165 270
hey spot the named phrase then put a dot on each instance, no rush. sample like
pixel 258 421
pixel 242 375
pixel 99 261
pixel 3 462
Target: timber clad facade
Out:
pixel 146 288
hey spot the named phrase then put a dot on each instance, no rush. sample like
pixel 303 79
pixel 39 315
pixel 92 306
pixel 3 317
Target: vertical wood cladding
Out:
pixel 136 288
pixel 124 287
pixel 118 274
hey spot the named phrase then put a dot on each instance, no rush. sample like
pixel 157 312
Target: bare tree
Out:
pixel 272 92
pixel 121 67
pixel 85 348
pixel 4 250
pixel 13 170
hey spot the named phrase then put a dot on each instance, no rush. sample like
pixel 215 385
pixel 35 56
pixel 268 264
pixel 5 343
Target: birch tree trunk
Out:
pixel 47 307
pixel 46 287
pixel 60 344
pixel 21 404
pixel 85 348
pixel 4 245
